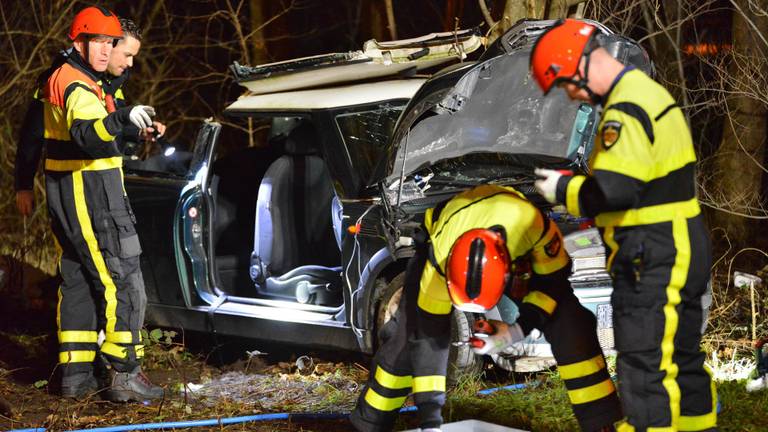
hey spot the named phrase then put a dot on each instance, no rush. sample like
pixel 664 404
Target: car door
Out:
pixel 159 191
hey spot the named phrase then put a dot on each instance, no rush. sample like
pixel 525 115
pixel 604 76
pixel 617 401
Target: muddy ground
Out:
pixel 203 378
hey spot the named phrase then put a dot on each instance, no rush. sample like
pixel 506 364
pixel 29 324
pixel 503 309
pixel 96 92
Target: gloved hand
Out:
pixel 500 335
pixel 141 116
pixel 546 185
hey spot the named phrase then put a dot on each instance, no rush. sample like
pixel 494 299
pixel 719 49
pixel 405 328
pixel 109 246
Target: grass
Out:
pixel 541 406
pixel 333 387
pixel 544 406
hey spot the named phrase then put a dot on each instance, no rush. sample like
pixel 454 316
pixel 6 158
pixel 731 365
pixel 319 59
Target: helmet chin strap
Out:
pixel 583 82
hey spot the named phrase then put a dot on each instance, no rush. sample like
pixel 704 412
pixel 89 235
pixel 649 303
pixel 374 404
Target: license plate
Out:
pixel 604 316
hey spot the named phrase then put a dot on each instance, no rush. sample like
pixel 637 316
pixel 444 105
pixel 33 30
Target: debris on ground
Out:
pixel 315 388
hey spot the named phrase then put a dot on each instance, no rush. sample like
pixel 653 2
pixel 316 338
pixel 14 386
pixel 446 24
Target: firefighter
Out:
pixel 118 72
pixel 642 194
pixel 476 243
pixel 29 150
pixel 91 218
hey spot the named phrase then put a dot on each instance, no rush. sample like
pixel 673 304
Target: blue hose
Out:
pixel 259 417
pixel 251 418
pixel 244 419
pixel 509 387
pixel 207 422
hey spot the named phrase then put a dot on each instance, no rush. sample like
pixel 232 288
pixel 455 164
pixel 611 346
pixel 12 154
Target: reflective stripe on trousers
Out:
pixel 102 285
pixel 660 273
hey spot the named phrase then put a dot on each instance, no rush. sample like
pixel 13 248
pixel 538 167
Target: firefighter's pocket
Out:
pixel 129 239
pixel 120 237
pixel 630 258
pixel 636 329
pixel 106 234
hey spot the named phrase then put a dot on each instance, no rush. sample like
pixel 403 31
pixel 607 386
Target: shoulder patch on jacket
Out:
pixel 610 133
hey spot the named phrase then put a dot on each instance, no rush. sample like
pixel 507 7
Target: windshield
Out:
pixel 495 109
pixel 366 134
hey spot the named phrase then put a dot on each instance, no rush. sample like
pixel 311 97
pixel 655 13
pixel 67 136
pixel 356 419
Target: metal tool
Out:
pixel 476 341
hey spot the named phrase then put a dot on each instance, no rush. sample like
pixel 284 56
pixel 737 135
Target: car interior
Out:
pixel 276 219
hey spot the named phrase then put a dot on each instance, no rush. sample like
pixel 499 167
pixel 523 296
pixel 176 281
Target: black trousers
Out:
pixel 102 286
pixel 660 273
pixel 416 344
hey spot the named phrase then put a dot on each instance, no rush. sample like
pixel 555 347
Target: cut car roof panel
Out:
pixel 376 60
pixel 324 98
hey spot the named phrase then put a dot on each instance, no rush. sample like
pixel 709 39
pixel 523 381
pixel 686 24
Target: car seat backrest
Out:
pixel 293 212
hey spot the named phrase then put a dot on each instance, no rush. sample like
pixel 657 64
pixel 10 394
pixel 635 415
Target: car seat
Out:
pixel 295 253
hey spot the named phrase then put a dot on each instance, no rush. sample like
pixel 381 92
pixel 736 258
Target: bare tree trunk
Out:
pixel 560 8
pixel 374 21
pixel 258 50
pixel 449 15
pixel 391 20
pixel 515 10
pixel 259 43
pixel 739 160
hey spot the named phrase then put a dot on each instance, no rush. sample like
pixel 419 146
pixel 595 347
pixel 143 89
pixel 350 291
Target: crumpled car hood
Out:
pixel 495 107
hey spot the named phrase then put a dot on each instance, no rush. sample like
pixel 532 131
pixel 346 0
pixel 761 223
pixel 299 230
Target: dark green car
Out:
pixel 304 239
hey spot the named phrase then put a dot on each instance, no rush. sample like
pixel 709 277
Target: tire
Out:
pixel 461 360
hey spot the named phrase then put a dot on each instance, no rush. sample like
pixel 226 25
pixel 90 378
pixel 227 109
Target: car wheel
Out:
pixel 461 360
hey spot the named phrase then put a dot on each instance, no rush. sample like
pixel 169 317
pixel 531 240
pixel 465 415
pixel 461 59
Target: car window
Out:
pixel 366 134
pixel 159 158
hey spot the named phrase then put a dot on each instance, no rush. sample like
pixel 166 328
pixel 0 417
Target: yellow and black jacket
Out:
pixel 642 194
pixel 32 135
pixel 77 125
pixel 527 232
pixel 643 162
pixel 414 355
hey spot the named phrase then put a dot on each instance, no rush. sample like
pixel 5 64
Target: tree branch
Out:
pixel 486 13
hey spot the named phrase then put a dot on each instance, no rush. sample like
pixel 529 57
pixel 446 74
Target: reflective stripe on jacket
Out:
pixel 75 118
pixel 527 231
pixel 643 163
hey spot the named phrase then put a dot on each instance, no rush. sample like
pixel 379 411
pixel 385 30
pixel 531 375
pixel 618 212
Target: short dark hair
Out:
pixel 130 28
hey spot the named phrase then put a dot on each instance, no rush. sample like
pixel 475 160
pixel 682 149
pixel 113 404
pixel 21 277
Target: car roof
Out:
pixel 327 98
pixel 377 60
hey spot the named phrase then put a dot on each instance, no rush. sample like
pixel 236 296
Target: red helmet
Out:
pixel 558 51
pixel 95 20
pixel 477 270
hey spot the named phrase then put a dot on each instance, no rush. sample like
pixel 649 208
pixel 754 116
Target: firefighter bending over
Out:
pixel 475 242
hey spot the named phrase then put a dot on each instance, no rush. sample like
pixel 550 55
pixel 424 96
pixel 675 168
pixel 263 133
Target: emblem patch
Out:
pixel 610 133
pixel 553 247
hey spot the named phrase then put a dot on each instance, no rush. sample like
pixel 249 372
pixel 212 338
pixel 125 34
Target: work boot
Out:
pixel 132 386
pixel 79 386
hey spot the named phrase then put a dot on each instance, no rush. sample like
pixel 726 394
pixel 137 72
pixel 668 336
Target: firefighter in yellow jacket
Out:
pixel 91 218
pixel 642 194
pixel 477 242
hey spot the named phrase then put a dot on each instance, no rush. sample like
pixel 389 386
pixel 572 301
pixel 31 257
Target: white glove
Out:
pixel 759 383
pixel 141 116
pixel 547 185
pixel 496 335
